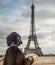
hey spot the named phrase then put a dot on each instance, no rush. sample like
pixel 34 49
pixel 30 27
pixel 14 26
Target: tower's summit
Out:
pixel 32 7
pixel 32 36
pixel 32 19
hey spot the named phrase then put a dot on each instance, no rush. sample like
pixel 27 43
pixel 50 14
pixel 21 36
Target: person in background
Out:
pixel 13 54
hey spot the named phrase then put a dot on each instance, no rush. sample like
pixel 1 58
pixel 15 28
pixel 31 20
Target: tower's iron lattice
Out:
pixel 33 37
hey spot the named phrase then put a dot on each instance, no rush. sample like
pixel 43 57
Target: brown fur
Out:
pixel 12 55
pixel 15 57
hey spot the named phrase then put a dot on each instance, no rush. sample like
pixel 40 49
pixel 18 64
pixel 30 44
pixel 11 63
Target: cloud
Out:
pixel 24 9
pixel 43 14
pixel 44 36
pixel 45 2
pixel 4 1
pixel 4 29
pixel 19 25
pixel 19 20
pixel 43 9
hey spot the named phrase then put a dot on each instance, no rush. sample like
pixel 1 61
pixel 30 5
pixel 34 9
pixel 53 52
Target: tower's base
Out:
pixel 35 51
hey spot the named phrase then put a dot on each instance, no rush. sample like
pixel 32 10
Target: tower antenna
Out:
pixel 32 1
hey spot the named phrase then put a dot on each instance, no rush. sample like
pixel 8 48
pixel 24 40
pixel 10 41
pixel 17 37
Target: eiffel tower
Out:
pixel 33 37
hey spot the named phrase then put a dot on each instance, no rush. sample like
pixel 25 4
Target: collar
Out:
pixel 12 44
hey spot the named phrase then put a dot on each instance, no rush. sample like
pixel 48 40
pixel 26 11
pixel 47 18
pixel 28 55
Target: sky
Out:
pixel 15 15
